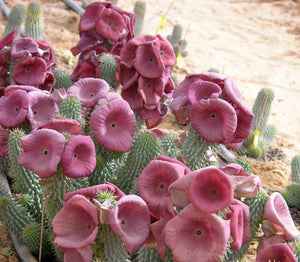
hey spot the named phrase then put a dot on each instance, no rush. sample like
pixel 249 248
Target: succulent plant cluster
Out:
pixel 114 188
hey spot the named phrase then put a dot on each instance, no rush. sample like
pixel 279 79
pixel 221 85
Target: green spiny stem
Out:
pixel 140 123
pixel 292 195
pixel 261 109
pixel 268 135
pixel 177 43
pixel 296 169
pixel 15 19
pixel 168 256
pixel 62 78
pixel 113 247
pixel 4 164
pixel 297 251
pixel 257 206
pixel 168 146
pixel 237 255
pixel 144 149
pixel 195 149
pixel 12 64
pixel 55 188
pixel 176 34
pixel 108 70
pixel 247 166
pixel 70 108
pixel 34 26
pixel 139 10
pixel 12 214
pixel 28 181
pixel 145 254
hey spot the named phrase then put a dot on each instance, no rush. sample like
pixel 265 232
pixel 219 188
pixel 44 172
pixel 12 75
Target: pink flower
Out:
pixel 23 47
pixel 113 125
pixel 193 235
pixel 59 95
pixel 214 119
pixel 11 88
pixel 66 126
pixel 13 108
pixel 244 185
pixel 277 212
pixel 210 191
pixel 79 157
pixel 88 19
pixel 94 191
pixel 130 220
pixel 157 231
pixel 42 150
pixel 153 186
pixel 83 254
pixel 110 24
pixel 76 224
pixel 154 122
pixel 42 108
pixel 150 90
pixel 280 252
pixel 30 71
pixel 6 41
pixel 88 90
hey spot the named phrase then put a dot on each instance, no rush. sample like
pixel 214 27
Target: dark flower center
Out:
pixel 45 152
pixel 149 85
pixel 113 125
pixel 213 192
pixel 89 226
pixel 213 116
pixel 122 222
pixel 161 52
pixel 34 112
pixel 198 232
pixel 109 23
pixel 28 69
pixel 151 59
pixel 75 155
pixel 91 95
pixel 161 186
pixel 17 109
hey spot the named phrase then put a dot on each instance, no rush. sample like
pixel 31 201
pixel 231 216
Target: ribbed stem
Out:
pixel 34 26
pixel 62 78
pixel 169 148
pixel 296 169
pixel 108 70
pixel 70 108
pixel 140 11
pixel 15 19
pixel 148 254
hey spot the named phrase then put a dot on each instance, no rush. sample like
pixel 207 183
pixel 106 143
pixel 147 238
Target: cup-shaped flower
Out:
pixel 42 108
pixel 202 90
pixel 130 220
pixel 83 254
pixel 210 191
pixel 277 212
pixel 66 126
pixel 279 252
pixel 88 19
pixel 30 71
pixel 196 236
pixel 76 224
pixel 153 186
pixel 12 88
pixel 88 90
pixel 23 47
pixel 244 184
pixel 110 24
pixel 157 231
pixel 42 150
pixel 214 119
pixel 13 108
pixel 79 157
pixel 113 125
pixel 59 95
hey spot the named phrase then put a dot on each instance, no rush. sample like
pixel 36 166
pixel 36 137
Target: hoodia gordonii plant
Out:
pixel 113 187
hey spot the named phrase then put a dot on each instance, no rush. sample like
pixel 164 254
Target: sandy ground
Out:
pixel 257 43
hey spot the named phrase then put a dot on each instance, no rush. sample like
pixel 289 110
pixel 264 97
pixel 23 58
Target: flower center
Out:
pixel 75 155
pixel 198 232
pixel 17 109
pixel 28 69
pixel 109 23
pixel 46 152
pixel 161 52
pixel 113 125
pixel 151 59
pixel 34 112
pixel 91 95
pixel 213 192
pixel 213 116
pixel 89 226
pixel 149 85
pixel 161 186
pixel 122 222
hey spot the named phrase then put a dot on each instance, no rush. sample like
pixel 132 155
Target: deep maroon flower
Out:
pixel 79 157
pixel 94 191
pixel 113 125
pixel 130 220
pixel 88 90
pixel 88 70
pixel 76 224
pixel 277 212
pixel 6 41
pixel 30 71
pixel 153 186
pixel 193 235
pixel 280 252
pixel 66 126
pixel 42 150
pixel 24 47
pixel 42 108
pixel 210 191
pixel 13 108
pixel 214 119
